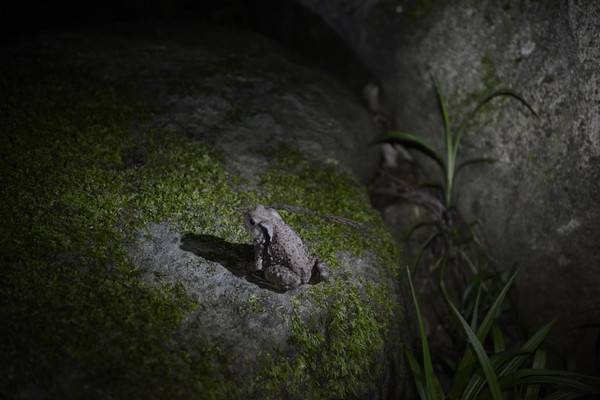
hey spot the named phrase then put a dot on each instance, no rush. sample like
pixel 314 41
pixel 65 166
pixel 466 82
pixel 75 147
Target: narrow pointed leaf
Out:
pixel 583 383
pixel 465 367
pixel 539 361
pixel 417 374
pixel 416 227
pixel 529 347
pixel 424 247
pixel 473 161
pixel 443 110
pixel 410 139
pixel 477 381
pixel 498 339
pixel 432 386
pixel 563 395
pixel 450 149
pixel 484 361
pixel 487 99
pixel 476 309
pixel 508 362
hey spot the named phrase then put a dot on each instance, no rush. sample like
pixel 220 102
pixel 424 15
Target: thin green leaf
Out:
pixel 476 309
pixel 464 164
pixel 478 279
pixel 484 361
pixel 422 249
pixel 583 383
pixel 539 361
pixel 487 99
pixel 450 364
pixel 450 150
pixel 417 374
pixel 529 347
pixel 563 395
pixel 410 139
pixel 477 382
pixel 498 338
pixel 432 387
pixel 465 366
pixel 507 362
pixel 416 227
pixel 444 112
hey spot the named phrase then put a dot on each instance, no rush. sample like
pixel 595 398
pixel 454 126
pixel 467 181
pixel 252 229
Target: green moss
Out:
pixel 490 81
pixel 490 77
pixel 340 352
pixel 81 175
pixel 294 181
pixel 76 315
pixel 254 304
pixel 542 161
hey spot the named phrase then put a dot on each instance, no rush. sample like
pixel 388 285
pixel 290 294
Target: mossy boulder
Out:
pixel 128 158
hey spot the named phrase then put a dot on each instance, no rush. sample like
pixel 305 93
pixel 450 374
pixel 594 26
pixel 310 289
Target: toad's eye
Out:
pixel 252 221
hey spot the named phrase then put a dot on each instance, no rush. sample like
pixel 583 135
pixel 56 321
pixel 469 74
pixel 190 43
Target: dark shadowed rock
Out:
pixel 540 203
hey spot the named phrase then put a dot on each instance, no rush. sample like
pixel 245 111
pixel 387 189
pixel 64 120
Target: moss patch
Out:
pixel 81 174
pixel 294 181
pixel 490 81
pixel 76 184
pixel 340 352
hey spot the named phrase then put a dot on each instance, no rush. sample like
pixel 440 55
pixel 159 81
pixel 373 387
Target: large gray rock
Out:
pixel 540 204
pixel 282 133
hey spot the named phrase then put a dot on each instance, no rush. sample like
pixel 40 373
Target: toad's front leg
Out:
pixel 321 271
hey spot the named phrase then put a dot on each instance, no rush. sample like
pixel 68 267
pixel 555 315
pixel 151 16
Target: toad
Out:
pixel 279 252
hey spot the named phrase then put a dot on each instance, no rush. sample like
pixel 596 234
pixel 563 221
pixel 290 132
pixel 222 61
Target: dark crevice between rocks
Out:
pixel 310 39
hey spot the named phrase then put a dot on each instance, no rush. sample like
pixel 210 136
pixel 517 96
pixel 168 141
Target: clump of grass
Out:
pixel 450 240
pixel 449 163
pixel 486 369
pixel 496 373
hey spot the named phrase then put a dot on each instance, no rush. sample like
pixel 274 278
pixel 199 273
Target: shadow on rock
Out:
pixel 234 256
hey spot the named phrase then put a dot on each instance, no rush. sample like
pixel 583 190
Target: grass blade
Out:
pixel 464 164
pixel 465 367
pixel 416 227
pixel 498 338
pixel 432 387
pixel 410 139
pixel 444 112
pixel 450 149
pixel 539 362
pixel 507 363
pixel 422 249
pixel 476 308
pixel 417 374
pixel 529 347
pixel 487 99
pixel 582 383
pixel 477 381
pixel 563 395
pixel 484 361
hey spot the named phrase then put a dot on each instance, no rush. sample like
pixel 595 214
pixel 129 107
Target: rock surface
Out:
pixel 539 204
pixel 227 121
